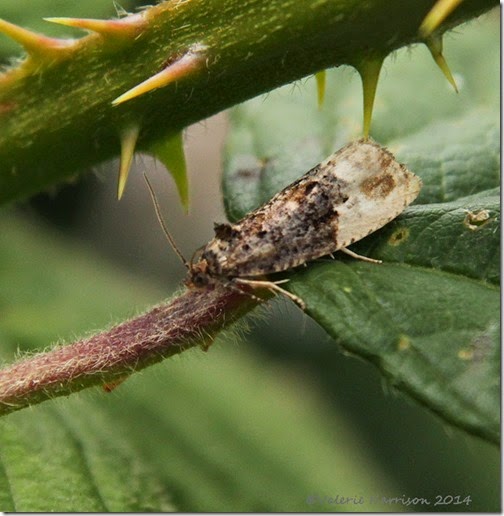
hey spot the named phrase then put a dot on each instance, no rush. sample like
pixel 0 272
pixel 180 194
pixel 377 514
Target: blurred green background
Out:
pixel 274 418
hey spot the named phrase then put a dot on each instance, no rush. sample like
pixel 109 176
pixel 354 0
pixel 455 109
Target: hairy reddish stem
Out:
pixel 192 318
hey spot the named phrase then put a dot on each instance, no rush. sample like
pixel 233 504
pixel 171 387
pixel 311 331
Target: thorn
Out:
pixel 188 63
pixel 37 45
pixel 435 45
pixel 124 28
pixel 129 137
pixel 369 70
pixel 441 10
pixel 120 10
pixel 320 77
pixel 171 154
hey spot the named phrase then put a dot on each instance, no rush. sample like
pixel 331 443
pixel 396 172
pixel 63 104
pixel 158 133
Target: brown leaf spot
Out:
pixel 475 220
pixel 479 348
pixel 465 354
pixel 404 343
pixel 399 236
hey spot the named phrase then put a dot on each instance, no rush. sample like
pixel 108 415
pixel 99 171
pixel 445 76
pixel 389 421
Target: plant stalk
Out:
pixel 191 319
pixel 56 112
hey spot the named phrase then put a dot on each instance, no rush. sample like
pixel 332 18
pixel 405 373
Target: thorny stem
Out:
pixel 191 319
pixel 57 117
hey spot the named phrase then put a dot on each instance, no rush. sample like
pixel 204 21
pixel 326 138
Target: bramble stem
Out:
pixel 56 112
pixel 191 319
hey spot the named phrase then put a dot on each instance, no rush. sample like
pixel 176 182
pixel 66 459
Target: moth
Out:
pixel 351 194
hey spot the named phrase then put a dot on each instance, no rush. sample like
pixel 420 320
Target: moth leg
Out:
pixel 110 386
pixel 231 284
pixel 273 286
pixel 359 256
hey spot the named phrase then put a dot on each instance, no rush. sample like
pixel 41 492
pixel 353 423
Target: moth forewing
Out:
pixel 377 192
pixel 352 193
pixel 297 225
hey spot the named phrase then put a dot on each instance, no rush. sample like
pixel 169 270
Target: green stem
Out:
pixel 56 118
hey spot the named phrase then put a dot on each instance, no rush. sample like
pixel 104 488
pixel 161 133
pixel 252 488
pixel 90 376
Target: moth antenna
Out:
pixel 162 223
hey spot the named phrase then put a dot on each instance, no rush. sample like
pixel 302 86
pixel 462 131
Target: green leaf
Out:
pixel 457 158
pixel 441 236
pixel 73 461
pixel 428 318
pixel 433 334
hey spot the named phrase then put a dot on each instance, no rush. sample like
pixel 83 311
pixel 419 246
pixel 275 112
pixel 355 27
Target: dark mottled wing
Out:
pixel 349 195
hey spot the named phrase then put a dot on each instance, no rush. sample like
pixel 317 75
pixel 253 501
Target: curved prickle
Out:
pixel 38 46
pixel 129 137
pixel 190 62
pixel 437 15
pixel 369 70
pixel 435 46
pixel 127 27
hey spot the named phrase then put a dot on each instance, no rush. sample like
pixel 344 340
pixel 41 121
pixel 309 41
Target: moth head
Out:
pixel 198 276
